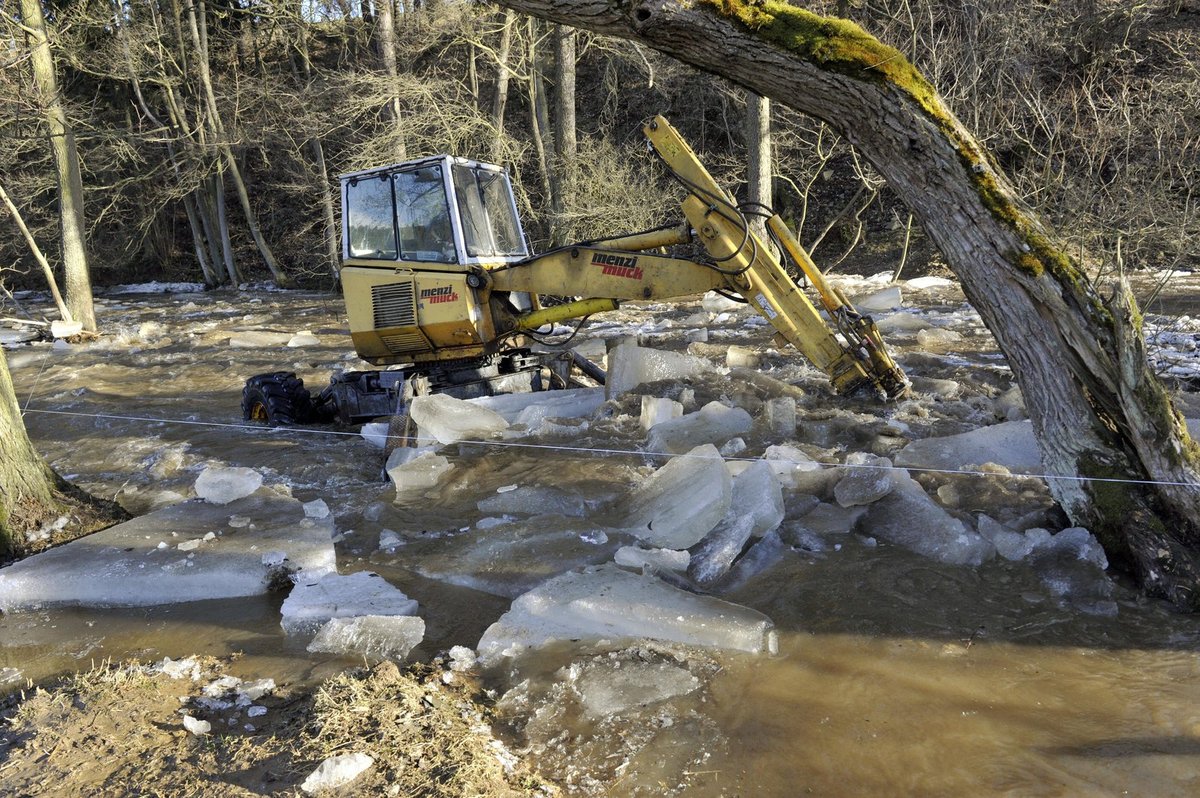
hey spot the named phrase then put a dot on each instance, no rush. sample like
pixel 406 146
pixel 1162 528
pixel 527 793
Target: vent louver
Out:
pixel 394 305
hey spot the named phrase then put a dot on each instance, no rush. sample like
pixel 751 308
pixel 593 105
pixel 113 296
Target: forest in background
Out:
pixel 1092 108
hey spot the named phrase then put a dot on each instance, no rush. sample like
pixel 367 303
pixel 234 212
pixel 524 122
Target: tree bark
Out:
pixel 500 99
pixel 77 280
pixel 1097 409
pixel 386 40
pixel 758 158
pixel 36 251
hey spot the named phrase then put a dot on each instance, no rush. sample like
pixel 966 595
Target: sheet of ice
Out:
pixel 716 303
pixel 765 552
pixel 313 602
pixel 124 566
pixel 631 365
pixel 336 771
pixel 511 558
pixel 888 298
pixel 868 479
pixel 682 501
pixel 795 470
pixel 450 420
pixel 664 559
pixel 607 689
pixel 534 500
pixel 222 485
pixel 375 637
pixel 605 602
pixel 65 329
pixel 418 474
pixel 757 495
pixel 258 339
pixel 1010 444
pixel 714 423
pixel 11 337
pixel 908 517
pixel 656 410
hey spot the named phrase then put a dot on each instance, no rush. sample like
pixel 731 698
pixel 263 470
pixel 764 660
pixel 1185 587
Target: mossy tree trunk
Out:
pixel 27 485
pixel 1098 411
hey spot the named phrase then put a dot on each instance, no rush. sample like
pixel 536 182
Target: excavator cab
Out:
pixel 440 210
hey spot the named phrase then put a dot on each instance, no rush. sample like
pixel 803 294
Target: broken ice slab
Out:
pixel 680 502
pixel 780 417
pixel 908 517
pixel 1010 444
pixel 373 637
pixel 612 688
pixel 741 357
pixel 795 470
pixel 714 423
pixel 1071 565
pixel 258 339
pixel 607 603
pixel 10 337
pixel 533 409
pixel 767 551
pixel 65 329
pixel 901 322
pixel 510 558
pixel 534 500
pixel 866 479
pixel 137 564
pixel 450 420
pixel 888 298
pixel 713 557
pixel 717 303
pixel 417 474
pixel 938 340
pixel 656 410
pixel 304 338
pixel 314 601
pixel 220 485
pixel 1010 544
pixel 336 771
pixel 662 559
pixel 376 433
pixel 631 365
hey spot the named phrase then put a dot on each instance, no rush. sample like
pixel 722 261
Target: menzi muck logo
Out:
pixel 445 293
pixel 617 265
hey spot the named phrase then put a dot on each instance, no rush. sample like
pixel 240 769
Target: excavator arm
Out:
pixel 844 344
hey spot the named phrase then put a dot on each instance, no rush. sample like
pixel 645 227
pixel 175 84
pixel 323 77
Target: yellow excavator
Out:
pixel 438 280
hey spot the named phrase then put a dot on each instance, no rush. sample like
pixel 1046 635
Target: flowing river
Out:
pixel 895 674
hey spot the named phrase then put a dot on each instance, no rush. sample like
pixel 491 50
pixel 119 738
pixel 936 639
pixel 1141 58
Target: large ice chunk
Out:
pixel 509 558
pixel 656 410
pixel 336 771
pixel 450 420
pixel 888 298
pixel 832 519
pixel 780 416
pixel 1071 565
pixel 313 602
pixel 416 473
pixel 715 554
pixel 534 407
pixel 138 563
pixel 682 501
pixel 755 508
pixel 1010 444
pixel 1010 544
pixel 221 485
pixel 867 479
pixel 713 423
pixel 370 636
pixel 662 559
pixel 605 602
pixel 258 339
pixel 631 365
pixel 908 517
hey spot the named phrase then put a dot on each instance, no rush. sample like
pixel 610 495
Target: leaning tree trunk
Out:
pixel 26 483
pixel 1098 411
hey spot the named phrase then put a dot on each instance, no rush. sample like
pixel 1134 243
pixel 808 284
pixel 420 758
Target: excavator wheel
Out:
pixel 278 400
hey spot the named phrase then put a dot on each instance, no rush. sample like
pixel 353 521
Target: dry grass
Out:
pixel 117 730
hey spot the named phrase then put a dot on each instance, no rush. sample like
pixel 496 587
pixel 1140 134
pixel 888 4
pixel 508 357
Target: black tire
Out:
pixel 278 400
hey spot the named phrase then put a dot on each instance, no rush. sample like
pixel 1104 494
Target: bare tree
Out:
pixel 1098 410
pixel 77 278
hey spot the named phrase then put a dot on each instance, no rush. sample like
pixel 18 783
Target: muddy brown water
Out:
pixel 895 675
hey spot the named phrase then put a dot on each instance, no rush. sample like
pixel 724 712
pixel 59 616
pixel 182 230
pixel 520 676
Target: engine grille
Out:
pixel 394 305
pixel 406 343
